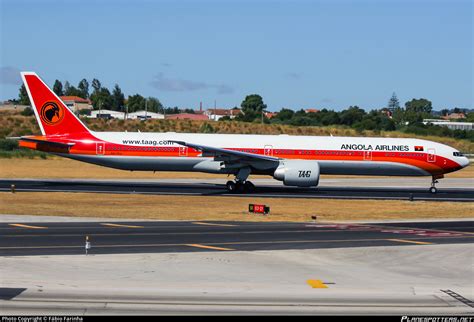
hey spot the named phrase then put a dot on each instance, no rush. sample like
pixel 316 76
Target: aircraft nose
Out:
pixel 464 162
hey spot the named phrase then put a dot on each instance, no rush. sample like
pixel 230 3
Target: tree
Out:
pixel 393 103
pixel 252 107
pixel 154 105
pixel 352 115
pixel 101 99
pixel 70 90
pixel 118 99
pixel 285 114
pixel 83 87
pixel 58 88
pixel 23 95
pixel 135 103
pixel 421 105
pixel 96 85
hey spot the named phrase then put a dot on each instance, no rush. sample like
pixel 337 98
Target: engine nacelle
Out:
pixel 300 173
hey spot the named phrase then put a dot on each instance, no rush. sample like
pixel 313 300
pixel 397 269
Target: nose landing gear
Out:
pixel 434 181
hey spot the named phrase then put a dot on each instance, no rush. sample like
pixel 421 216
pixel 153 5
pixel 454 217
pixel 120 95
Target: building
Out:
pixel 187 116
pixel 311 110
pixel 270 115
pixel 454 116
pixel 142 115
pixel 106 114
pixel 467 126
pixel 216 113
pixel 76 103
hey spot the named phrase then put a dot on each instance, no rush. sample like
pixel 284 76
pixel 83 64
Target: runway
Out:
pixel 62 238
pixel 339 189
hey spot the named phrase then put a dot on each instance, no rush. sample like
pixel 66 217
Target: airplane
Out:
pixel 296 160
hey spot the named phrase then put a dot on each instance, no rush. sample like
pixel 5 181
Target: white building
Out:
pixel 107 114
pixel 468 126
pixel 217 113
pixel 142 115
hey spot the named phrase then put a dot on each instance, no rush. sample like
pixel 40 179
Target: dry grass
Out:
pixel 222 208
pixel 66 168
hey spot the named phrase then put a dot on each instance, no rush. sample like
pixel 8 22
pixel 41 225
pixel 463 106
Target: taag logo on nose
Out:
pixel 52 113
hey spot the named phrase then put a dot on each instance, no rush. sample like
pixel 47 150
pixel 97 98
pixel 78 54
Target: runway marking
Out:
pixel 117 225
pixel 316 284
pixel 27 226
pixel 208 247
pixel 410 241
pixel 209 224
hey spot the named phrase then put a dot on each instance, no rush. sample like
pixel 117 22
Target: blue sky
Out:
pixel 296 54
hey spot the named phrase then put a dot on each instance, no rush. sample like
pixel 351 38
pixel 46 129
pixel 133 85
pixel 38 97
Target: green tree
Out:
pixel 70 90
pixel 58 88
pixel 154 105
pixel 352 115
pixel 83 87
pixel 118 99
pixel 101 99
pixel 393 103
pixel 96 85
pixel 421 105
pixel 252 108
pixel 285 114
pixel 135 103
pixel 23 96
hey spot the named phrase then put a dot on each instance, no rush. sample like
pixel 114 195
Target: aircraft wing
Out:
pixel 227 155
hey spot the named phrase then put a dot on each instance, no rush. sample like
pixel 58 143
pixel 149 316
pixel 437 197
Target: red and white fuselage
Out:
pixel 64 134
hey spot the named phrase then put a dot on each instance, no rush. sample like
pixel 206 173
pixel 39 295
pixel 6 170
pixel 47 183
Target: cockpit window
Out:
pixel 458 154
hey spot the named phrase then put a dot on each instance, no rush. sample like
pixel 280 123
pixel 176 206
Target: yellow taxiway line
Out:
pixel 27 226
pixel 316 284
pixel 117 225
pixel 208 247
pixel 209 224
pixel 410 241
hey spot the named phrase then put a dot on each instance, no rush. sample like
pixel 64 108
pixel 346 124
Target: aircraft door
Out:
pixel 367 155
pixel 100 148
pixel 431 155
pixel 183 151
pixel 268 150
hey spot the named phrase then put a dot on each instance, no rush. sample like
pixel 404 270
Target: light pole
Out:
pixel 146 108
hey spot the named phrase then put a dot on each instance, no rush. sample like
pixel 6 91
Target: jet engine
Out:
pixel 300 173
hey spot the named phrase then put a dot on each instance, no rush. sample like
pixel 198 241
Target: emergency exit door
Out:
pixel 100 148
pixel 268 150
pixel 431 155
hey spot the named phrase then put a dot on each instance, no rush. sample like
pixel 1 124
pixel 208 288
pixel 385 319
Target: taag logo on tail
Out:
pixel 52 113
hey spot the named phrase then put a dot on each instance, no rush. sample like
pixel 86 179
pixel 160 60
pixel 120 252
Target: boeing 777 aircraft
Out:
pixel 295 160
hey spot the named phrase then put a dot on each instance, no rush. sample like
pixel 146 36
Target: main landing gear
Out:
pixel 241 185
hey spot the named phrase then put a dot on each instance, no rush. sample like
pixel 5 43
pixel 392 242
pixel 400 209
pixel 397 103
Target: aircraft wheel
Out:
pixel 433 190
pixel 231 187
pixel 249 187
pixel 240 187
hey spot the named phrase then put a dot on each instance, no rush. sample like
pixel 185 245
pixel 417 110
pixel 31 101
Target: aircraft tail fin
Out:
pixel 53 116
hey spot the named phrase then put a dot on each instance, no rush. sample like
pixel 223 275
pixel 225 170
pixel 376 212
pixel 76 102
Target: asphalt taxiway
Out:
pixel 68 238
pixel 333 188
pixel 227 268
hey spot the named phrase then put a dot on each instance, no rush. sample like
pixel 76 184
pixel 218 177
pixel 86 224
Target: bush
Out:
pixel 8 145
pixel 28 111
